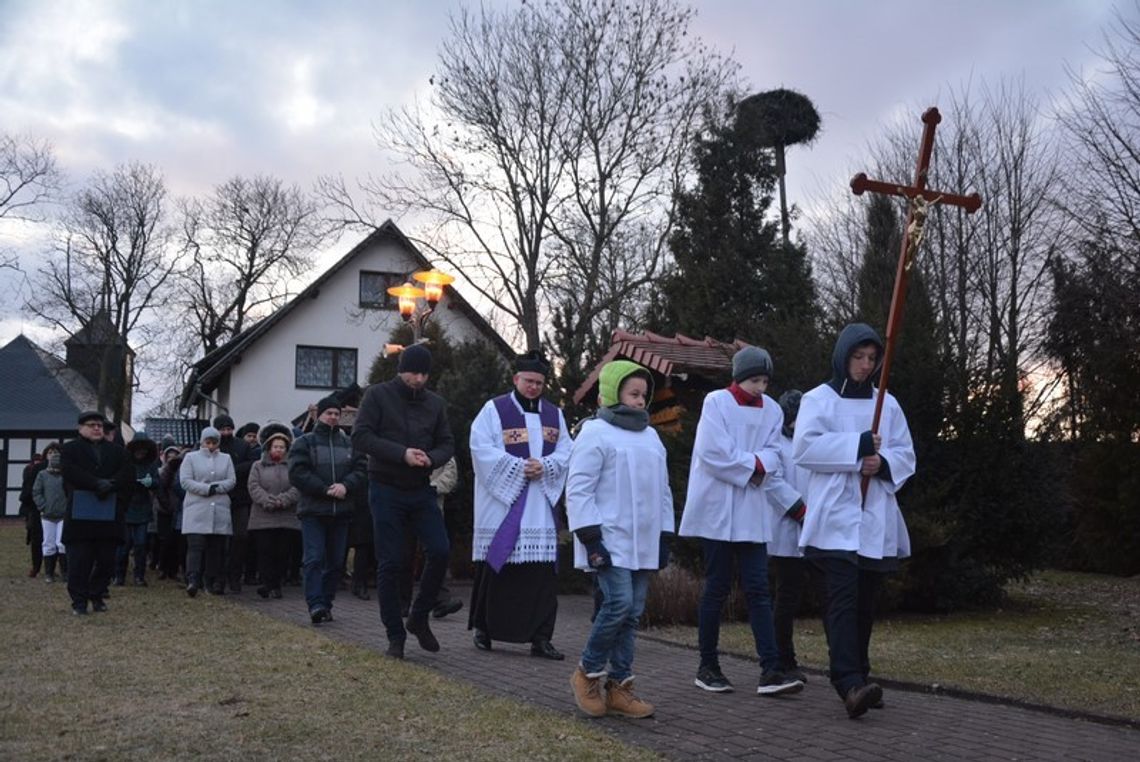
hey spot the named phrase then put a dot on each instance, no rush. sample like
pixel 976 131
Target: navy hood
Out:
pixel 849 338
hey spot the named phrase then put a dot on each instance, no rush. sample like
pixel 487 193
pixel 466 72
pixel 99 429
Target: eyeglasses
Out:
pixel 93 424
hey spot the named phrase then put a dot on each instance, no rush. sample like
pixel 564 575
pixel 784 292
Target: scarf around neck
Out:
pixel 625 417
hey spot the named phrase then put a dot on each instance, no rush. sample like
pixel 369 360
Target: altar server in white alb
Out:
pixel 621 512
pixel 734 469
pixel 520 448
pixel 853 541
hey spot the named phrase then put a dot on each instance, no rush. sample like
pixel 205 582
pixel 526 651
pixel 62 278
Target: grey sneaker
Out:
pixel 777 683
pixel 712 679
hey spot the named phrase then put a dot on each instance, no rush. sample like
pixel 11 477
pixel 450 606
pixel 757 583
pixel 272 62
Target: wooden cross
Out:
pixel 921 200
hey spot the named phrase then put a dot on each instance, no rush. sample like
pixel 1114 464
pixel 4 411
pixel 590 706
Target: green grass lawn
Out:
pixel 161 677
pixel 1064 639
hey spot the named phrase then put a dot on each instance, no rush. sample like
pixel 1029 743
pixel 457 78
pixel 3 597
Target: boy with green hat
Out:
pixel 620 509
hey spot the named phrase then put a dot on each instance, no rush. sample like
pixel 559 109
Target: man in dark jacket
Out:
pixel 34 530
pixel 243 456
pixel 140 509
pixel 97 477
pixel 328 474
pixel 403 428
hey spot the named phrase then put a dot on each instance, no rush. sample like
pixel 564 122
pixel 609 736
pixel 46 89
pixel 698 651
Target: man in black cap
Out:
pixel 97 477
pixel 520 449
pixel 328 474
pixel 403 429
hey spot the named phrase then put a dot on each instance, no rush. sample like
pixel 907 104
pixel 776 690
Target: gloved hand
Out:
pixel 104 487
pixel 664 545
pixel 146 481
pixel 213 489
pixel 597 555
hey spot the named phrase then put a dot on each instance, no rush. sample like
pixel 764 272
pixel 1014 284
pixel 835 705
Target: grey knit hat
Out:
pixel 749 362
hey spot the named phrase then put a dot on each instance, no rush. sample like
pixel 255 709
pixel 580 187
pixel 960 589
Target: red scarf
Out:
pixel 743 398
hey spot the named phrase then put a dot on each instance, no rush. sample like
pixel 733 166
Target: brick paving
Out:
pixel 692 724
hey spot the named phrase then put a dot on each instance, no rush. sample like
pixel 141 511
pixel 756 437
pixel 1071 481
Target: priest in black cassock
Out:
pixel 520 448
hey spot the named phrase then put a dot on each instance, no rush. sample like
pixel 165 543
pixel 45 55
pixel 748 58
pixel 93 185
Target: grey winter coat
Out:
pixel 203 513
pixel 274 498
pixel 49 495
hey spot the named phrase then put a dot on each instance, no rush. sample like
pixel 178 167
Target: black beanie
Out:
pixel 415 359
pixel 222 421
pixel 328 402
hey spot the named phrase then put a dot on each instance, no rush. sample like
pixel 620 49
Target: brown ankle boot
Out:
pixel 588 692
pixel 621 700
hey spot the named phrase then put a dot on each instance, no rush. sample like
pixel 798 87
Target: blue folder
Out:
pixel 87 506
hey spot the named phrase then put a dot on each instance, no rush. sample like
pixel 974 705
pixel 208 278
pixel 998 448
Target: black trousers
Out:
pixel 34 537
pixel 272 555
pixel 789 577
pixel 208 547
pixel 235 563
pixel 90 564
pixel 850 616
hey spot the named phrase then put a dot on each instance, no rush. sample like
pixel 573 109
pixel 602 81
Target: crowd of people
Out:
pixel 779 494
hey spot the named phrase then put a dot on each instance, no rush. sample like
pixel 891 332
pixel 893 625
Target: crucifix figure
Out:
pixel 921 200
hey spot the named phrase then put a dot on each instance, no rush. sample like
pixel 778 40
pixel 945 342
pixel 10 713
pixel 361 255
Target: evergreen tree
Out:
pixel 732 276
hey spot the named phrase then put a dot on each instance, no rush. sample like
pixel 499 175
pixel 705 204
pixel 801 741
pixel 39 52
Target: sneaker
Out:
pixel 99 606
pixel 589 694
pixel 795 673
pixel 858 700
pixel 419 627
pixel 774 683
pixel 79 611
pixel 712 679
pixel 49 578
pixel 192 587
pixel 622 701
pixel 119 582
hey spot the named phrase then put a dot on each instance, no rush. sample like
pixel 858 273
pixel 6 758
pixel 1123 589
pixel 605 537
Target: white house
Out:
pixel 324 339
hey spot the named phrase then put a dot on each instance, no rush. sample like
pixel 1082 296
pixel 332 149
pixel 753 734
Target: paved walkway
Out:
pixel 691 723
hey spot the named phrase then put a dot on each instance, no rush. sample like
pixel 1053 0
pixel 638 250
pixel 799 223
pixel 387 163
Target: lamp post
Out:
pixel 411 309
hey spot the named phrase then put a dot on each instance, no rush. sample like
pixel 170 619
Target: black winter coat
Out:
pixel 393 417
pixel 83 464
pixel 320 459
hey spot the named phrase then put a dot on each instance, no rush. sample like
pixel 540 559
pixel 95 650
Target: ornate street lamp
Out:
pixel 411 310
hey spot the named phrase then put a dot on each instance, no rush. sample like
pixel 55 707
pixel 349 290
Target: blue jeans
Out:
pixel 752 560
pixel 615 627
pixel 134 539
pixel 325 542
pixel 393 511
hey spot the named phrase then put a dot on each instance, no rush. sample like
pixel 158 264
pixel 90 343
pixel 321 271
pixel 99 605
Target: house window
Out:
pixel 374 289
pixel 325 367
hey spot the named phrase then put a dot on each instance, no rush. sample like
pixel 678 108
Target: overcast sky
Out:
pixel 207 89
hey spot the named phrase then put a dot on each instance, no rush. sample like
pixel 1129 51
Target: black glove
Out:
pixel 663 547
pixel 213 489
pixel 597 555
pixel 104 487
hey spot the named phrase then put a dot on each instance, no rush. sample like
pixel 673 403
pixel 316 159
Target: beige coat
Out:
pixel 274 499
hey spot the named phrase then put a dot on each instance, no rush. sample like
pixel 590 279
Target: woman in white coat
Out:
pixel 854 541
pixel 207 475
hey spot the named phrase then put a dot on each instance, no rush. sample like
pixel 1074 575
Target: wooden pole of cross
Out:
pixel 921 200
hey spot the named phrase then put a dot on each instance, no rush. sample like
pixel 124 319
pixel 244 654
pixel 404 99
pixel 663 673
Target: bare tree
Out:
pixel 987 273
pixel 244 245
pixel 29 178
pixel 555 134
pixel 112 259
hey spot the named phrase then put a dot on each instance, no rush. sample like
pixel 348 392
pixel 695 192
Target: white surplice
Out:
pixel 499 480
pixel 826 443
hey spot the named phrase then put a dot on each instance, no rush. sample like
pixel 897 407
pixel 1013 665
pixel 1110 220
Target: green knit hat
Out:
pixel 614 374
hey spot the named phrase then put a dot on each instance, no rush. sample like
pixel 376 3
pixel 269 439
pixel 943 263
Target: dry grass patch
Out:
pixel 1064 639
pixel 161 676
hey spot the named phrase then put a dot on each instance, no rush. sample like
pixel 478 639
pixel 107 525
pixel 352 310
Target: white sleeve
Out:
pixel 587 459
pixel 716 449
pixel 816 447
pixel 498 471
pixel 555 464
pixel 897 448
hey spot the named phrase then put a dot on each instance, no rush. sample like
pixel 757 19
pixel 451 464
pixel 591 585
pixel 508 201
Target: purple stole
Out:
pixel 516 440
